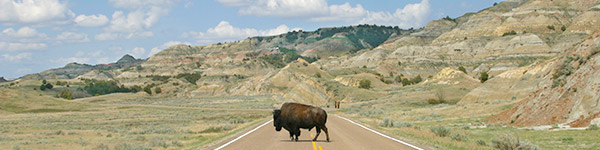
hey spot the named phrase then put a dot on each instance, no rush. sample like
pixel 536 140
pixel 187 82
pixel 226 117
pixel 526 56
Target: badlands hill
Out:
pixel 538 53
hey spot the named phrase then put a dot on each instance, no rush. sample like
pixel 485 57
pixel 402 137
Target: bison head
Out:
pixel 276 120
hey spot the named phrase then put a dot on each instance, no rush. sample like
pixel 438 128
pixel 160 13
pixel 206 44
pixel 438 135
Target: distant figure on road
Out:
pixel 293 116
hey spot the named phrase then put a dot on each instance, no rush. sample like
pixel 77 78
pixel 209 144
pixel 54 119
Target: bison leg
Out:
pixel 326 133
pixel 297 133
pixel 318 132
pixel 291 136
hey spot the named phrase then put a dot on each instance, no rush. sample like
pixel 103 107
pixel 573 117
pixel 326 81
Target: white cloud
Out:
pixel 23 32
pixel 236 3
pixel 5 46
pixel 138 52
pixel 165 46
pixel 80 60
pixel 188 4
pixel 132 22
pixel 343 12
pixel 286 8
pixel 40 12
pixel 106 36
pixel 143 14
pixel 16 58
pixel 91 20
pixel 411 15
pixel 113 36
pixel 226 32
pixel 134 4
pixel 72 37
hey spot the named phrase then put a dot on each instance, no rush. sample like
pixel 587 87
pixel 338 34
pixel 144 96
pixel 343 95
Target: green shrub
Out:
pixel 434 101
pixel 511 142
pixel 440 131
pixel 567 139
pixel 416 79
pixel 365 84
pixel 387 122
pixel 148 89
pixel 406 82
pixel 593 127
pixel 158 78
pixel 158 142
pixel 459 137
pixel 449 19
pixel 483 77
pixel 102 146
pixel 513 32
pixel 399 124
pixel 101 87
pixel 481 142
pixel 66 94
pixel 563 28
pixel 371 112
pixel 190 77
pixel 49 86
pixel 176 143
pixel 285 56
pixel 551 27
pixel 126 146
pixel 157 90
pixel 461 68
pixel 136 88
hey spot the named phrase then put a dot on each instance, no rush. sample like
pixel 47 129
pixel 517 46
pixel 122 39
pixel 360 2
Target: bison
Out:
pixel 293 116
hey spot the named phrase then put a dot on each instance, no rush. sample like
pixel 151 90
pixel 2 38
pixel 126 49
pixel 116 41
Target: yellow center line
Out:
pixel 314 144
pixel 320 148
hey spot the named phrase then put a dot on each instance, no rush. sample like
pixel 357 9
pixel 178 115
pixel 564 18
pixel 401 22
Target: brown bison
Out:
pixel 293 116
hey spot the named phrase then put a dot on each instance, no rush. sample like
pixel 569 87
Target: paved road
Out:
pixel 344 135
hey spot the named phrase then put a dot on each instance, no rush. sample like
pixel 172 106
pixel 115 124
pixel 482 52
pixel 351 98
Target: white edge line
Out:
pixel 391 138
pixel 222 146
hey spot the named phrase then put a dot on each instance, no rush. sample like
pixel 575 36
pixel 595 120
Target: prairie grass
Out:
pixel 132 122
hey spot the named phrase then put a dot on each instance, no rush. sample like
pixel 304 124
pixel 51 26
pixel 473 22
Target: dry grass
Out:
pixel 465 123
pixel 132 121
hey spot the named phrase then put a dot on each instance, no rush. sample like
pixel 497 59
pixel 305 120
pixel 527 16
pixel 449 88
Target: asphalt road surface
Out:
pixel 344 135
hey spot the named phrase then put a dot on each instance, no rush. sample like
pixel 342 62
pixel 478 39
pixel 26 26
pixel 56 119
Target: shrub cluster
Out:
pixel 440 131
pixel 45 85
pixel 101 87
pixel 513 32
pixel 365 84
pixel 190 77
pixel 286 56
pixel 511 142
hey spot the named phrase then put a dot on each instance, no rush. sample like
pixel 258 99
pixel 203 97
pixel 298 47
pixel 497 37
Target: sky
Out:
pixel 36 35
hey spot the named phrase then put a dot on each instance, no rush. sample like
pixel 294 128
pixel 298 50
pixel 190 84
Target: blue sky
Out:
pixel 37 35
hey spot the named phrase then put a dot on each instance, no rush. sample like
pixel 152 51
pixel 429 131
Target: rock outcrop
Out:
pixel 568 93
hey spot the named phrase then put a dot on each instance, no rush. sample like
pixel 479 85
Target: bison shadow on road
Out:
pixel 305 141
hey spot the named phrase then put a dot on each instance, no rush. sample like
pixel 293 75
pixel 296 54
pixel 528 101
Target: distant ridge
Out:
pixel 73 70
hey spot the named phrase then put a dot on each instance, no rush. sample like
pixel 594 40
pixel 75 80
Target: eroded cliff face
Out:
pixel 568 93
pixel 542 29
